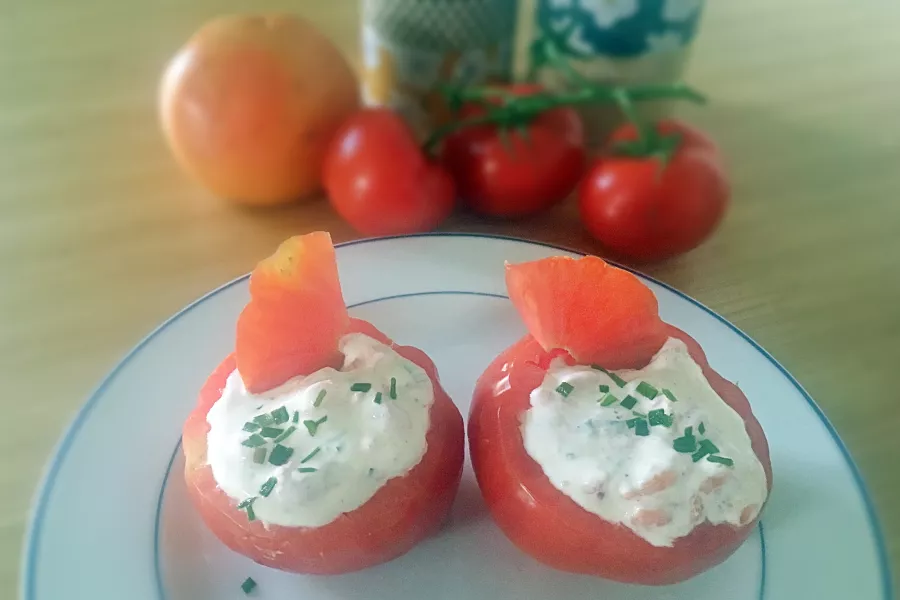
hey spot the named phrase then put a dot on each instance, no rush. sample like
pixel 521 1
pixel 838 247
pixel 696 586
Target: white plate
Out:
pixel 112 520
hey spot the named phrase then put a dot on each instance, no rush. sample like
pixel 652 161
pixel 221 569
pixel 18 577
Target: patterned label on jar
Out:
pixel 411 46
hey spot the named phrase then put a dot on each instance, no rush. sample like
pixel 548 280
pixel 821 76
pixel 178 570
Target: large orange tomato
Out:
pixel 250 104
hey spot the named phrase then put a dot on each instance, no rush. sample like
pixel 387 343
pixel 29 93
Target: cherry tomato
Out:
pixel 517 173
pixel 550 526
pixel 647 210
pixel 250 103
pixel 380 181
pixel 402 512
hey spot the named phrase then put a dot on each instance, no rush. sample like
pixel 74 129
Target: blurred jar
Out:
pixel 626 41
pixel 410 46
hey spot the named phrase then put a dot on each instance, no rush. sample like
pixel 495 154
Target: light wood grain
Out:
pixel 101 237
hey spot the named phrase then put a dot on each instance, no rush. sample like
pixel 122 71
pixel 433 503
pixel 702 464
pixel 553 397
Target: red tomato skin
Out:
pixel 380 181
pixel 401 514
pixel 645 211
pixel 529 173
pixel 551 527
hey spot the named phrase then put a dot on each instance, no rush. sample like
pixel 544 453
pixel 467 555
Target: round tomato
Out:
pixel 400 514
pixel 535 515
pixel 647 209
pixel 380 181
pixel 516 173
pixel 250 103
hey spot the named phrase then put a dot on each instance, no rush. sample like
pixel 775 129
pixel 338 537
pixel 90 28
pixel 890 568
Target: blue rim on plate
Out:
pixel 45 490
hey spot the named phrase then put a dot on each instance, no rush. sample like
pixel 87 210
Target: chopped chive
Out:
pixel 659 417
pixel 319 398
pixel 247 505
pixel 632 423
pixel 629 402
pixel 608 400
pixel 313 426
pixel 287 433
pixel 266 488
pixel 250 426
pixel 701 428
pixel 309 456
pixel 685 444
pixel 668 394
pixel 271 432
pixel 259 455
pixel 689 431
pixel 646 390
pixel 280 415
pixel 307 470
pixel 564 389
pixel 280 455
pixel 639 414
pixel 616 379
pixel 705 448
pixel 264 420
pixel 254 441
pixel 393 392
pixel 248 585
pixel 360 387
pixel 378 398
pixel 296 418
pixel 641 428
pixel 720 460
pixel 604 389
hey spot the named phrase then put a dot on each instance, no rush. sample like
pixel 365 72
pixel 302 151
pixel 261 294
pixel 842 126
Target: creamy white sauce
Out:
pixel 361 445
pixel 590 454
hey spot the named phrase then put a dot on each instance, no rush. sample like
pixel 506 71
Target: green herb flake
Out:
pixel 266 488
pixel 313 426
pixel 254 441
pixel 248 586
pixel 604 389
pixel 251 427
pixel 701 428
pixel 668 394
pixel 629 402
pixel 685 445
pixel 280 455
pixel 393 392
pixel 309 456
pixel 360 387
pixel 641 428
pixel 280 415
pixel 720 460
pixel 259 455
pixel 319 398
pixel 659 417
pixel 307 470
pixel 378 398
pixel 564 389
pixel 646 390
pixel 247 505
pixel 633 422
pixel 264 420
pixel 705 448
pixel 296 418
pixel 616 379
pixel 287 433
pixel 271 432
pixel 608 400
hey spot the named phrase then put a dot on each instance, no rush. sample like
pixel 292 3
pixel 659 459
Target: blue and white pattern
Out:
pixel 620 28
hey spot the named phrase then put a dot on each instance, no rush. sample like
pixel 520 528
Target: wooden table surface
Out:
pixel 102 237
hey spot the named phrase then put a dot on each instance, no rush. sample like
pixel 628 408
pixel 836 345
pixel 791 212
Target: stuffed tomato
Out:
pixel 603 442
pixel 320 446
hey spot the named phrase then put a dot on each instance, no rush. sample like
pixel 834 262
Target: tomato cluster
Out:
pixel 644 201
